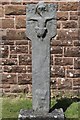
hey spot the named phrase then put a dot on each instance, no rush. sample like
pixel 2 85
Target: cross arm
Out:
pixel 49 18
pixel 32 19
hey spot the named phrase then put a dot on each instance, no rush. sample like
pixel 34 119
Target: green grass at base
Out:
pixel 12 106
pixel 73 111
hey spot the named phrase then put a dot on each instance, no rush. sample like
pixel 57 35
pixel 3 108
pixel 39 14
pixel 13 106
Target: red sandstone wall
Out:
pixel 15 66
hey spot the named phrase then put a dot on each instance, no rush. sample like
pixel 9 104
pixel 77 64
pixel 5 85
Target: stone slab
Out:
pixel 57 114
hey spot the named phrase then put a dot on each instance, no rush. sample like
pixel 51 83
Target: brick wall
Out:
pixel 16 49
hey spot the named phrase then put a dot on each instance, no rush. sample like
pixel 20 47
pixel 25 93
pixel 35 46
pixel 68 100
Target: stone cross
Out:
pixel 40 28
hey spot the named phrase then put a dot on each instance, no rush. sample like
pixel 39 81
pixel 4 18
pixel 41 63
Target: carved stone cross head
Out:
pixel 41 21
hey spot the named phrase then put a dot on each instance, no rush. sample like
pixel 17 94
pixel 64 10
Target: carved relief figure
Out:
pixel 41 20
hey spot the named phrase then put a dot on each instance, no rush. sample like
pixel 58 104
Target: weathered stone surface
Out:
pixel 1 11
pixel 68 6
pixel 67 35
pixel 14 10
pixel 18 49
pixel 10 62
pixel 58 25
pixel 69 24
pixel 62 16
pixel 28 69
pixel 19 89
pixel 64 83
pixel 24 79
pixel 76 43
pixel 20 22
pixel 77 63
pixel 74 15
pixel 57 114
pixel 57 71
pixel 25 60
pixel 7 23
pixel 15 69
pixel 72 52
pixel 16 1
pixel 2 34
pixel 56 50
pixel 7 42
pixel 4 52
pixel 22 42
pixel 9 78
pixel 16 34
pixel 41 27
pixel 41 24
pixel 73 73
pixel 76 82
pixel 64 61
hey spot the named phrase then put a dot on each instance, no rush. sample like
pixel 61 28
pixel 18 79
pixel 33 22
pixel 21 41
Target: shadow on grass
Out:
pixel 64 103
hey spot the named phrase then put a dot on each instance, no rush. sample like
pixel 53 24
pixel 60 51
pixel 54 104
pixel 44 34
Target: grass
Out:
pixel 53 102
pixel 12 106
pixel 73 111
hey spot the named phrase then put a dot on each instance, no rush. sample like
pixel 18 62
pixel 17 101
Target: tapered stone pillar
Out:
pixel 40 29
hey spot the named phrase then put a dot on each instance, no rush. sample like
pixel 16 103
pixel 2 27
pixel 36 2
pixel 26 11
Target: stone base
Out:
pixel 57 114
